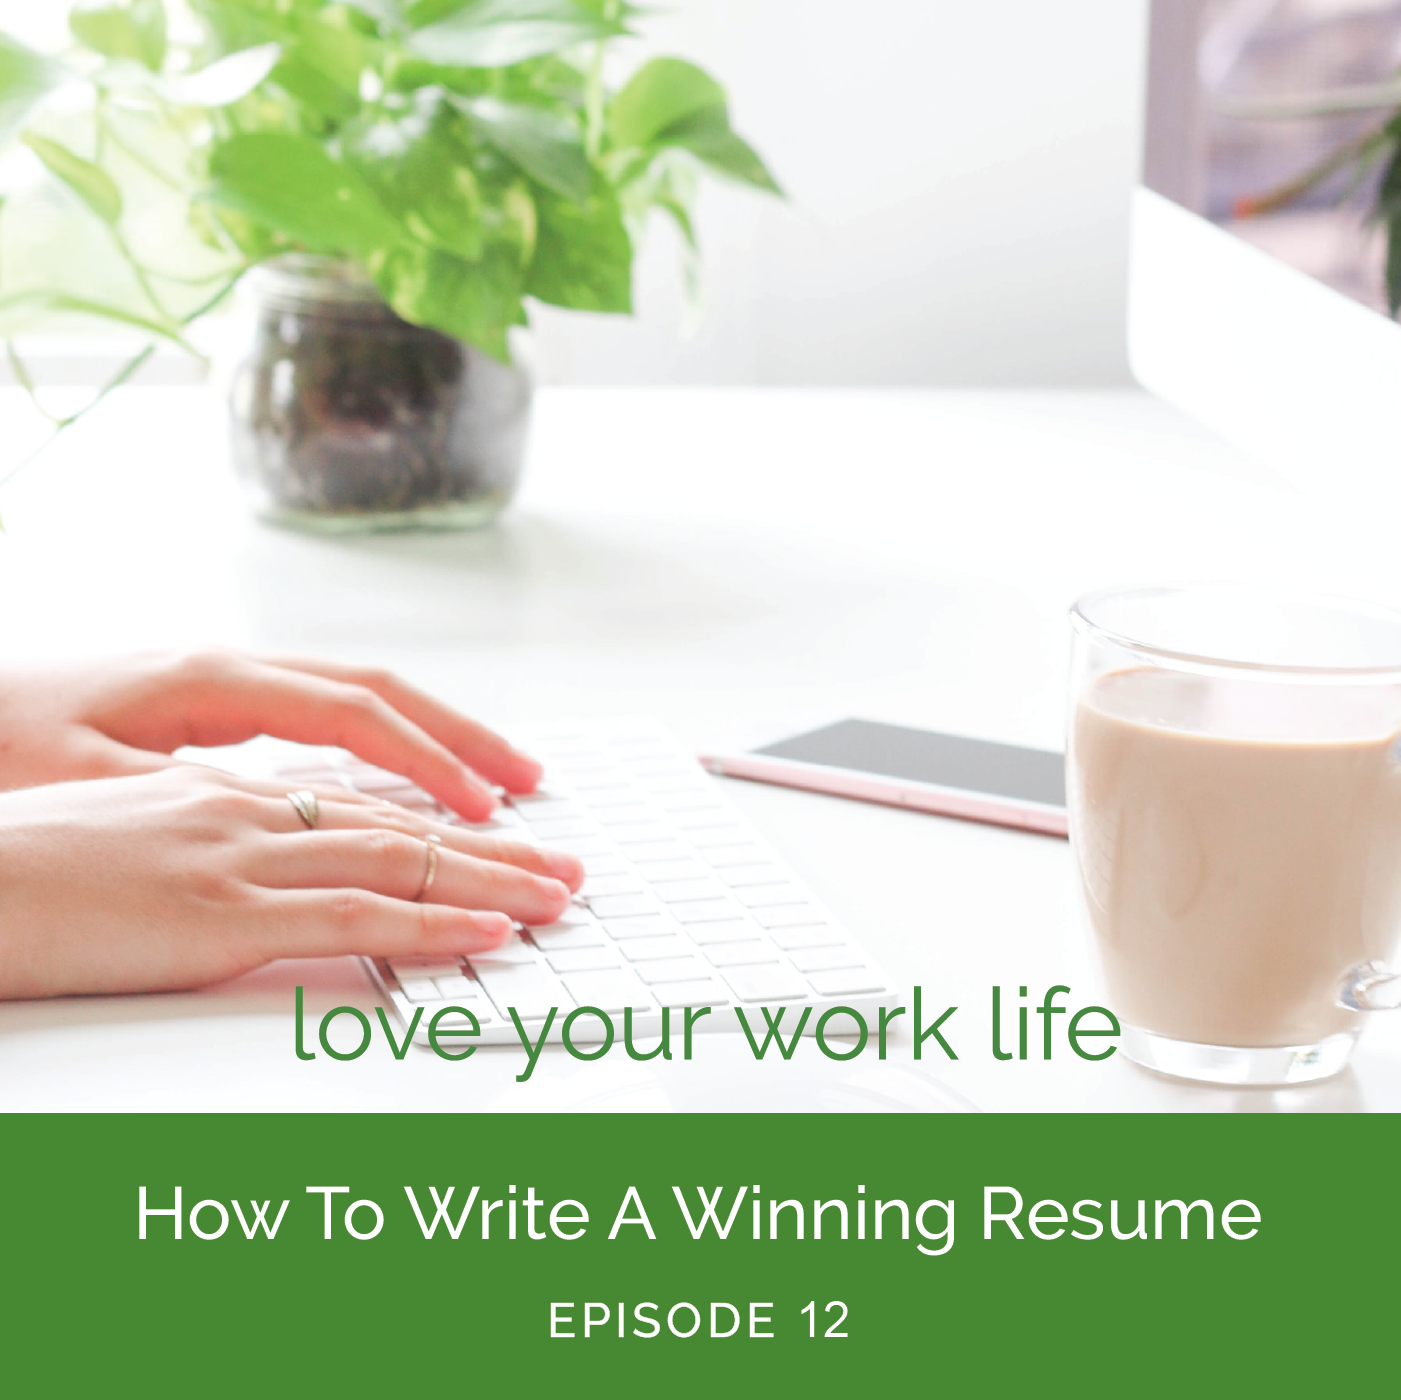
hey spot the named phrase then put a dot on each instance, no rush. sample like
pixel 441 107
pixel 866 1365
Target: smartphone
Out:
pixel 943 773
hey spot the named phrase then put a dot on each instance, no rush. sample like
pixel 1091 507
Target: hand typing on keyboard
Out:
pixel 128 715
pixel 125 870
pixel 684 911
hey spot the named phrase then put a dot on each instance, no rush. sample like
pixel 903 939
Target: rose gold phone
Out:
pixel 942 773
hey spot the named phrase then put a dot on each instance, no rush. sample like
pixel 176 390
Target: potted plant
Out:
pixel 396 181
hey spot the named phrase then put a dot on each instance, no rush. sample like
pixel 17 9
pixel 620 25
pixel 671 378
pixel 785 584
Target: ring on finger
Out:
pixel 432 841
pixel 307 806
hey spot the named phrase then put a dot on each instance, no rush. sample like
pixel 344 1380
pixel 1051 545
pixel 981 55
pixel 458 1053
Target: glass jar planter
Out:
pixel 346 418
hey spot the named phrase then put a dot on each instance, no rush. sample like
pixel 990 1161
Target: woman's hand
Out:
pixel 127 716
pixel 188 876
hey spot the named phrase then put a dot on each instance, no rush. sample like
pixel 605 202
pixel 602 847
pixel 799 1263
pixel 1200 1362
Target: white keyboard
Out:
pixel 683 905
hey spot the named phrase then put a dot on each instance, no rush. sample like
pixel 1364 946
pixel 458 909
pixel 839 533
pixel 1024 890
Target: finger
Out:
pixel 335 923
pixel 360 813
pixel 253 698
pixel 396 865
pixel 479 747
pixel 97 756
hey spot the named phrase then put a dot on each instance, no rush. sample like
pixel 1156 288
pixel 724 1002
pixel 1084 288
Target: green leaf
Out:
pixel 708 137
pixel 545 145
pixel 472 301
pixel 84 306
pixel 583 255
pixel 418 165
pixel 289 184
pixel 25 76
pixel 225 81
pixel 134 29
pixel 321 68
pixel 497 33
pixel 233 25
pixel 1393 266
pixel 93 185
pixel 660 94
pixel 671 103
pixel 1388 203
pixel 389 13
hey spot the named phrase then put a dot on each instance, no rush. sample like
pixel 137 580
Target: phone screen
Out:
pixel 921 756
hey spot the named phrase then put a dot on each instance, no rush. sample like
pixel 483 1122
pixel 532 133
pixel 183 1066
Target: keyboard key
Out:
pixel 848 982
pixel 702 992
pixel 741 876
pixel 420 990
pixel 656 870
pixel 723 931
pixel 722 857
pixel 605 865
pixel 677 891
pixel 702 911
pixel 662 784
pixel 603 789
pixel 671 849
pixel 531 990
pixel 583 959
pixel 762 896
pixel 514 950
pixel 786 915
pixel 546 792
pixel 564 828
pixel 617 906
pixel 454 1021
pixel 767 982
pixel 806 936
pixel 538 809
pixel 742 954
pixel 644 746
pixel 583 846
pixel 609 991
pixel 672 970
pixel 574 913
pixel 425 967
pixel 639 833
pixel 661 767
pixel 667 945
pixel 456 987
pixel 722 838
pixel 826 959
pixel 625 813
pixel 567 936
pixel 703 820
pixel 640 926
pixel 596 885
pixel 689 799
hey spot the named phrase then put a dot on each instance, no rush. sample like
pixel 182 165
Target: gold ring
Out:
pixel 306 806
pixel 432 841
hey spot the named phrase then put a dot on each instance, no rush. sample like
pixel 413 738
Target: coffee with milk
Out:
pixel 1239 844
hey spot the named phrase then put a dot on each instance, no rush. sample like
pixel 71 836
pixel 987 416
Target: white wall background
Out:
pixel 959 173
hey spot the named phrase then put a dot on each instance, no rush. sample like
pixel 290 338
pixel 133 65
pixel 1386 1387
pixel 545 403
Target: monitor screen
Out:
pixel 1279 121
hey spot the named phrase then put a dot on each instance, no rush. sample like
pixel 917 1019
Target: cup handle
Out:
pixel 1371 987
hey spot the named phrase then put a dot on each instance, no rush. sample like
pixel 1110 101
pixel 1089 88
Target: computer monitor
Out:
pixel 1257 297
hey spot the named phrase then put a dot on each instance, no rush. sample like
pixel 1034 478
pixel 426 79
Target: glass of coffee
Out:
pixel 1234 780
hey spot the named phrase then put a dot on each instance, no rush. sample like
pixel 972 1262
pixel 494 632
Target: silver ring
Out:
pixel 432 841
pixel 305 805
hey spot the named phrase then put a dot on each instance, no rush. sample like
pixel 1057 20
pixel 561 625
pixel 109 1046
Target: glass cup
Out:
pixel 1234 782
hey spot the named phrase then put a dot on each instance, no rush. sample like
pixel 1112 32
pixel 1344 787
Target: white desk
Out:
pixel 711 557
